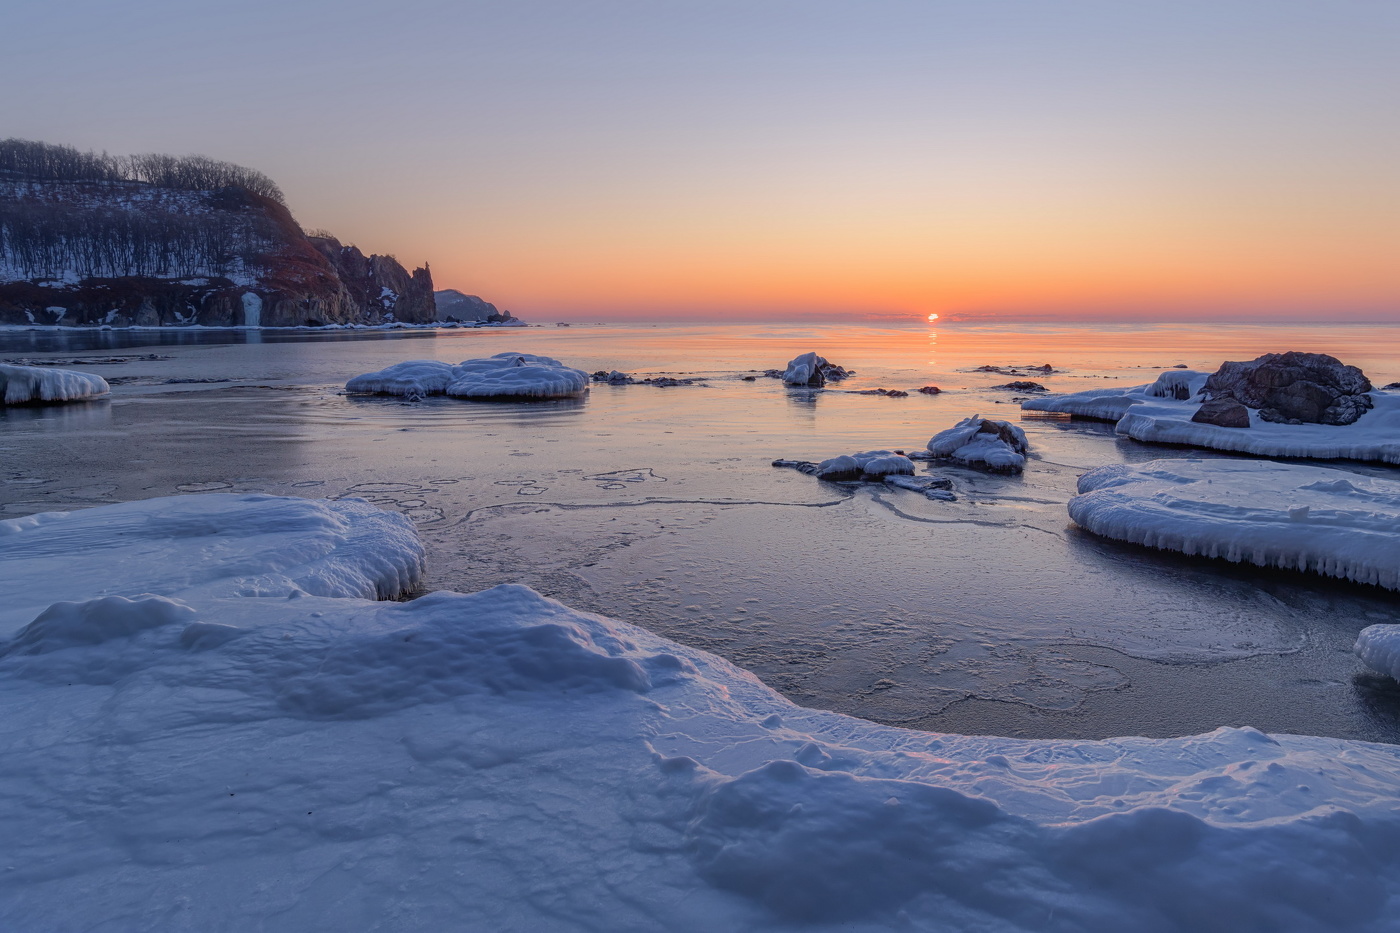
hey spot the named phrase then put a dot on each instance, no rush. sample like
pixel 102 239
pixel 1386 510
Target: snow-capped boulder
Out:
pixel 812 370
pixel 507 376
pixel 23 385
pixel 1378 646
pixel 1295 388
pixel 1251 511
pixel 997 446
pixel 517 376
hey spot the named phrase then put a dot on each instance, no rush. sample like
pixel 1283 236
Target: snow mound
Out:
pixel 868 465
pixel 1161 413
pixel 204 545
pixel 998 446
pixel 565 771
pixel 65 624
pixel 21 385
pixel 1251 511
pixel 503 376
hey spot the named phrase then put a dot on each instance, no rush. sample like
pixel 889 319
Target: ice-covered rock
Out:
pixel 1378 646
pixel 503 376
pixel 867 465
pixel 262 766
pixel 1251 511
pixel 21 385
pixel 203 545
pixel 812 370
pixel 998 446
pixel 1295 388
pixel 1162 413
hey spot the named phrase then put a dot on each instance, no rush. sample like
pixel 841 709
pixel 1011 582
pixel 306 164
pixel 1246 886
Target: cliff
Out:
pixel 88 245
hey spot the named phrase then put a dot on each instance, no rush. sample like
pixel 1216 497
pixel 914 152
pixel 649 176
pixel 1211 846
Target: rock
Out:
pixel 871 466
pixel 1023 387
pixel 1391 386
pixel 930 390
pixel 1222 412
pixel 811 370
pixel 888 393
pixel 749 378
pixel 997 446
pixel 1295 388
pixel 613 378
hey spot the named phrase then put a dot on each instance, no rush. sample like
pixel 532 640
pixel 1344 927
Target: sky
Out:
pixel 772 159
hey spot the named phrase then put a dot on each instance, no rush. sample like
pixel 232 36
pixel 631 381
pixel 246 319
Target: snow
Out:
pixel 23 384
pixel 1111 403
pixel 209 545
pixel 1152 413
pixel 1379 647
pixel 980 442
pixel 503 376
pixel 1251 511
pixel 800 371
pixel 200 759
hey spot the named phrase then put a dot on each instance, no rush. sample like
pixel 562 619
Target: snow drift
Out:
pixel 503 376
pixel 20 385
pixel 501 761
pixel 1251 511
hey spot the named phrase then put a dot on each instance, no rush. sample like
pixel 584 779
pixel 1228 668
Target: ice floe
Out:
pixel 501 761
pixel 1251 511
pixel 21 385
pixel 998 446
pixel 503 376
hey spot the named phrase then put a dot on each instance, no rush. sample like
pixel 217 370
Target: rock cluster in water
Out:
pixel 1295 388
pixel 809 369
pixel 615 378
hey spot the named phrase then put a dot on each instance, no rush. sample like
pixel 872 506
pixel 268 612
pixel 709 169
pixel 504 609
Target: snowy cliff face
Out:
pixel 127 253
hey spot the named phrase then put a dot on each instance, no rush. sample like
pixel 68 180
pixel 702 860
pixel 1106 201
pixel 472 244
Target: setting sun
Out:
pixel 933 317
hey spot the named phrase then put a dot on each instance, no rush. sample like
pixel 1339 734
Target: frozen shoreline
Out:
pixel 258 757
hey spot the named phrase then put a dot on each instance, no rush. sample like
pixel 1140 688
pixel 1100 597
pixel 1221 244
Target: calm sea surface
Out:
pixel 991 614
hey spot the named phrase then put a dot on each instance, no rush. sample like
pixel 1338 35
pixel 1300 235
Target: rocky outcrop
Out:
pixel 1295 388
pixel 453 305
pixel 229 257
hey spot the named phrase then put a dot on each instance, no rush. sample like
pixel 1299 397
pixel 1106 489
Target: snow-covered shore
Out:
pixel 252 746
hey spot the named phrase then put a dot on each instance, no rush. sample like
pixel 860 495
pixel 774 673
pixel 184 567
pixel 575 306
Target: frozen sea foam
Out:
pixel 1252 511
pixel 500 761
pixel 21 385
pixel 503 376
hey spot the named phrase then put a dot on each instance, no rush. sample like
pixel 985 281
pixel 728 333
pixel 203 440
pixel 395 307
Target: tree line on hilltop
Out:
pixel 38 161
pixel 54 238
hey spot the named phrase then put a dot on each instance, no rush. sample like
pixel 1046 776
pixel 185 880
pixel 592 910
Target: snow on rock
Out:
pixel 998 446
pixel 1162 413
pixel 812 370
pixel 1378 646
pixel 499 761
pixel 868 465
pixel 200 545
pixel 20 385
pixel 1110 404
pixel 503 376
pixel 1251 511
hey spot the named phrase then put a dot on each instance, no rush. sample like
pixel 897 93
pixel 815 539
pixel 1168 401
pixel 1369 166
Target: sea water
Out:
pixel 990 614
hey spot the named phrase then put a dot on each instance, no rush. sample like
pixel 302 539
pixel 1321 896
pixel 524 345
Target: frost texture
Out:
pixel 20 385
pixel 998 446
pixel 1251 511
pixel 503 376
pixel 500 761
